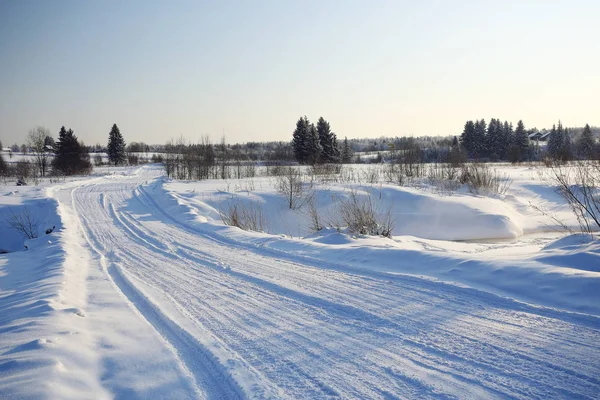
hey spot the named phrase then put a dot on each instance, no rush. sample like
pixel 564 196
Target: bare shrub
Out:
pixel 23 222
pixel 316 224
pixel 97 159
pixel 133 159
pixel 481 178
pixel 579 184
pixel 249 217
pixel 325 169
pixel 444 177
pixel 371 175
pixel 393 173
pixel 360 216
pixel 23 169
pixel 289 184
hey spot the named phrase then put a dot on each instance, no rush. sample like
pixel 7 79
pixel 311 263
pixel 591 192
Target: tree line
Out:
pixel 499 141
pixel 65 156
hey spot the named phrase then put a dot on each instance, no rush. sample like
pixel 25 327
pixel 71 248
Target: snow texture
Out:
pixel 142 292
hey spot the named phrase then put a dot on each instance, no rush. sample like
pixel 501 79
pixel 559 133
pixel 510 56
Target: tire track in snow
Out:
pixel 211 382
pixel 292 327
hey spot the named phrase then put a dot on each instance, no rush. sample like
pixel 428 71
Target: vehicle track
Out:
pixel 254 323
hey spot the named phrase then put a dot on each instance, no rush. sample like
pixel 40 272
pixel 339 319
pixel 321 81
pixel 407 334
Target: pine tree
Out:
pixel 586 145
pixel 313 145
pixel 71 157
pixel 346 152
pixel 300 140
pixel 116 146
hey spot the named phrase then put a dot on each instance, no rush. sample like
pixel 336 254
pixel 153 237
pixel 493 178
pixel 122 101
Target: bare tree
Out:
pixel 23 222
pixel 579 184
pixel 36 139
pixel 289 184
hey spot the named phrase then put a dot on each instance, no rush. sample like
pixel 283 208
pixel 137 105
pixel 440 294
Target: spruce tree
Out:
pixel 313 145
pixel 325 140
pixel 335 156
pixel 586 145
pixel 71 157
pixel 3 165
pixel 566 150
pixel 330 152
pixel 506 138
pixel 493 139
pixel 480 145
pixel 521 142
pixel 467 138
pixel 300 140
pixel 555 142
pixel 346 152
pixel 116 146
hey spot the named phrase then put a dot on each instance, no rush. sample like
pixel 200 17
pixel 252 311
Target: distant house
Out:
pixel 539 136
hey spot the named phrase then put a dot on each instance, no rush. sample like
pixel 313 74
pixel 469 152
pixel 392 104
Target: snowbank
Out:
pixel 416 213
pixel 524 271
pixel 22 201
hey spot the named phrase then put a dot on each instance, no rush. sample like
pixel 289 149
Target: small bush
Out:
pixel 97 159
pixel 481 178
pixel 249 217
pixel 360 216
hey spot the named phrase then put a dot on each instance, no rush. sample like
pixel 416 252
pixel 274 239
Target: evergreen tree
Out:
pixel 566 151
pixel 116 146
pixel 325 140
pixel 480 146
pixel 71 157
pixel 555 142
pixel 346 152
pixel 300 140
pixel 506 138
pixel 494 139
pixel 586 146
pixel 3 165
pixel 336 155
pixel 467 138
pixel 313 145
pixel 520 142
pixel 328 141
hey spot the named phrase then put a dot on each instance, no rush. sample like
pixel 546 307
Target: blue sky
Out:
pixel 250 69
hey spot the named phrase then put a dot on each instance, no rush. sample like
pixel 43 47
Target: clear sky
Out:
pixel 161 69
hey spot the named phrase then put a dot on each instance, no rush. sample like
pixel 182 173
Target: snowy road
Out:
pixel 238 321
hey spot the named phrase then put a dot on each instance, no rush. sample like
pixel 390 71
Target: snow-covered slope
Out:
pixel 163 301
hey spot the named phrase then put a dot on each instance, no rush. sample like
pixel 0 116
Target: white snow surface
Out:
pixel 142 292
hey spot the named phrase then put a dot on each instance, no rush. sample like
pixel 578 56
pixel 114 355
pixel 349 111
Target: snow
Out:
pixel 142 291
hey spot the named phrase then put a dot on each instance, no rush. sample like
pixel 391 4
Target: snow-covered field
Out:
pixel 142 292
